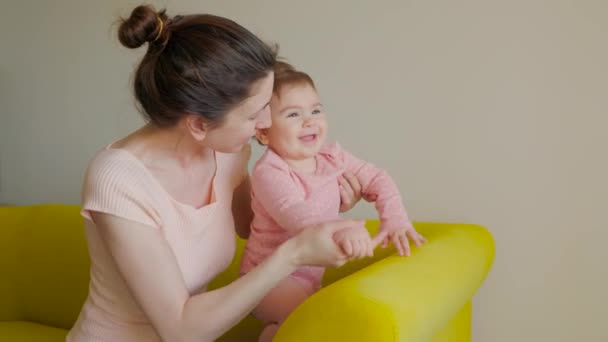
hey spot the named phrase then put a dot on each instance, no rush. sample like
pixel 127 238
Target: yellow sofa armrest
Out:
pixel 398 298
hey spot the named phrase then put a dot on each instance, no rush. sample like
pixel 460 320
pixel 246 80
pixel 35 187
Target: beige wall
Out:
pixel 493 112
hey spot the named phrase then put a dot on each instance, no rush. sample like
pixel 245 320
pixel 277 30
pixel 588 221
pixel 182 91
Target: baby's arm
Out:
pixel 277 192
pixel 376 183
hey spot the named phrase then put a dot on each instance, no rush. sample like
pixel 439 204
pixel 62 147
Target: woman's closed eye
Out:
pixel 256 115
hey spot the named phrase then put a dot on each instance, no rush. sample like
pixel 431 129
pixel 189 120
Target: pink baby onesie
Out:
pixel 285 200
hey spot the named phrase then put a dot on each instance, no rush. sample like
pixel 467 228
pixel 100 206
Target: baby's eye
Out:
pixel 292 115
pixel 316 111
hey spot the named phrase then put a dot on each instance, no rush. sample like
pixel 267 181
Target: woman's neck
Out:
pixel 154 145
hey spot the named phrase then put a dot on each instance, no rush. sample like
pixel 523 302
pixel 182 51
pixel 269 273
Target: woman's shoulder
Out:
pixel 116 182
pixel 112 170
pixel 115 162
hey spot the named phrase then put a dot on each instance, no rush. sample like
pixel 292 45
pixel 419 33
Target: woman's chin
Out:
pixel 236 149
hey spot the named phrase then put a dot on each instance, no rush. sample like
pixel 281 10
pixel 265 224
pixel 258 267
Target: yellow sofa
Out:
pixel 426 297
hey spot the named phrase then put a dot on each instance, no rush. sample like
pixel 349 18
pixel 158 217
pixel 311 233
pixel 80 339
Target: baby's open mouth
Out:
pixel 308 138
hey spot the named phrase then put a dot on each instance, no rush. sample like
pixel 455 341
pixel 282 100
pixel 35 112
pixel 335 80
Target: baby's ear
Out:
pixel 261 136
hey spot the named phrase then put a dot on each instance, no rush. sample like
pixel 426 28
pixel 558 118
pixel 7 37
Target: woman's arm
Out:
pixel 150 270
pixel 376 184
pixel 350 191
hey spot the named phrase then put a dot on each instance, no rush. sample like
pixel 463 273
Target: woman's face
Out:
pixel 242 122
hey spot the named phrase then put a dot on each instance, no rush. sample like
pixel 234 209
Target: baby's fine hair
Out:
pixel 286 75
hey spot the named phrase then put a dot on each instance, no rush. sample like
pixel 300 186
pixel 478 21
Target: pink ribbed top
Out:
pixel 202 240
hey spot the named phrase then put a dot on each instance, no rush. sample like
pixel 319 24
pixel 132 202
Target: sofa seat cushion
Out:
pixel 22 331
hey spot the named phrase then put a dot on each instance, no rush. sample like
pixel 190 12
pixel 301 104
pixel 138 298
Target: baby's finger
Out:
pixel 421 238
pixel 347 247
pixel 397 244
pixel 414 237
pixel 360 249
pixel 365 242
pixel 342 182
pixel 352 181
pixel 355 250
pixel 343 196
pixel 405 244
pixel 346 187
pixel 380 237
pixel 339 262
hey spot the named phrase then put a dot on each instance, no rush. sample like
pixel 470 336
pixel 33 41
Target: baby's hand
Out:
pixel 400 239
pixel 355 242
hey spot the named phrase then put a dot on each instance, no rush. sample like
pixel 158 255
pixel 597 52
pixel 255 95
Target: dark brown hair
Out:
pixel 286 75
pixel 201 64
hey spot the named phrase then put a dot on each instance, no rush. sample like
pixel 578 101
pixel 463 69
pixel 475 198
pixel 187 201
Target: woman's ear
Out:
pixel 262 136
pixel 197 126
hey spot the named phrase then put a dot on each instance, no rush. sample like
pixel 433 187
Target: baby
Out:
pixel 295 184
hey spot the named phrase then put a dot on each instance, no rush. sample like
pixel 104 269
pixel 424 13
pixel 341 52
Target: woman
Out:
pixel 159 203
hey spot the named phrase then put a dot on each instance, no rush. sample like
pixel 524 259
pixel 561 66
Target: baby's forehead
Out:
pixel 295 92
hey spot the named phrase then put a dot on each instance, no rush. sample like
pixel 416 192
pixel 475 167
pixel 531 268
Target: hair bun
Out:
pixel 142 26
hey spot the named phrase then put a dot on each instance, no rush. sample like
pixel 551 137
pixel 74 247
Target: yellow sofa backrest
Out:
pixel 45 264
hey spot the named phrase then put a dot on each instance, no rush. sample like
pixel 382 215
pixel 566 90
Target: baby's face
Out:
pixel 299 126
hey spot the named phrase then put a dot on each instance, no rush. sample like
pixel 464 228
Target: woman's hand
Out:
pixel 355 242
pixel 315 245
pixel 350 191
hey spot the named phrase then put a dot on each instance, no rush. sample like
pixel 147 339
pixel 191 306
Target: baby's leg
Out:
pixel 268 333
pixel 280 302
